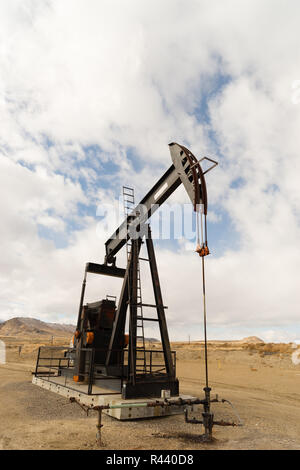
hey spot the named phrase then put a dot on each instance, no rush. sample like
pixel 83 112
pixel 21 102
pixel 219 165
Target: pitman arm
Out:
pixel 185 169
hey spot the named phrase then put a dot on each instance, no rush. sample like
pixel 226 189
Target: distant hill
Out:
pixel 252 340
pixel 21 326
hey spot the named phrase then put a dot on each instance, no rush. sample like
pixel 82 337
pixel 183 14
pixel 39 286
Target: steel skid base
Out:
pixel 127 412
pixel 122 409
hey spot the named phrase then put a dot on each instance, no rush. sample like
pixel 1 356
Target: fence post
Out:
pixel 37 361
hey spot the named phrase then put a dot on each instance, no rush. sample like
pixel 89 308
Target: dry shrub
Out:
pixel 271 348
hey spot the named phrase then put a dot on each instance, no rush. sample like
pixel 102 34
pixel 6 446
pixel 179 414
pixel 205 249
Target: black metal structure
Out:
pixel 142 382
pixel 101 348
pixel 103 359
pixel 101 326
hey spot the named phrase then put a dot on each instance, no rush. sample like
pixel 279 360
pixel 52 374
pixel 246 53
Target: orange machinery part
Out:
pixel 202 250
pixel 90 337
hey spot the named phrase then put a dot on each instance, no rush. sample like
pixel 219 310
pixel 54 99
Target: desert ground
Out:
pixel 259 379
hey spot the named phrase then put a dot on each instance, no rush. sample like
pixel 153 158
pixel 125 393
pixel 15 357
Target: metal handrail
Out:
pixel 54 364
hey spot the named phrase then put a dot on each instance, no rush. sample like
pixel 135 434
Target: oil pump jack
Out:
pixel 101 325
pixel 102 355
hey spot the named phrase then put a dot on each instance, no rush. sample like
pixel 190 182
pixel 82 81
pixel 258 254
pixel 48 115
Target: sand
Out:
pixel 260 380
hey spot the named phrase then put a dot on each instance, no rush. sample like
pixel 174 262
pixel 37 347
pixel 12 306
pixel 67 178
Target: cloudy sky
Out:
pixel 91 93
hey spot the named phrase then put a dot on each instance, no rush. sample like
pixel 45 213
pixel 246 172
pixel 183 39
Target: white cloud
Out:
pixel 135 76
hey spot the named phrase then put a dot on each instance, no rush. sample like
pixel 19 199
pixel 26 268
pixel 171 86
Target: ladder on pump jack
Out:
pixel 129 206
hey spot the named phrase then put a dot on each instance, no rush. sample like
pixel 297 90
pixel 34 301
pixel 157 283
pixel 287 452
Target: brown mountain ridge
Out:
pixel 22 326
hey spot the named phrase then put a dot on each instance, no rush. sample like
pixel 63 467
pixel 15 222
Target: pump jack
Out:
pixel 100 344
pixel 139 381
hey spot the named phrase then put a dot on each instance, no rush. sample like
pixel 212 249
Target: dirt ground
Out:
pixel 260 380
